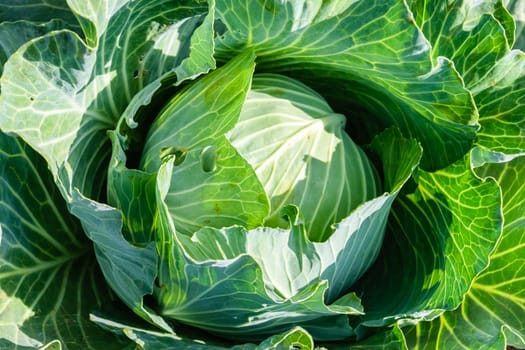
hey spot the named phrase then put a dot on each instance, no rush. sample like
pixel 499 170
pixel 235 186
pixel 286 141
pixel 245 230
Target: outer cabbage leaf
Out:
pixel 61 95
pixel 49 279
pixel 473 34
pixel 502 106
pixel 273 292
pixel 491 316
pixel 391 338
pixel 477 37
pixel 376 58
pixel 29 19
pixel 193 339
pixel 94 16
pixel 37 11
pixel 439 238
pixel 517 9
pixel 129 270
pixel 15 34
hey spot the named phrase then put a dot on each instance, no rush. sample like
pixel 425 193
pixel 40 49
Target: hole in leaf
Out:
pixel 208 158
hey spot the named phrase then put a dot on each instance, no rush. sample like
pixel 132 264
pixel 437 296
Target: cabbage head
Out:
pixel 262 174
pixel 291 145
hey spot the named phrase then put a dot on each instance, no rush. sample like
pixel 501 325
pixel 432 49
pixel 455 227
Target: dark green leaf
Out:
pixel 491 316
pixel 370 57
pixel 49 279
pixel 438 240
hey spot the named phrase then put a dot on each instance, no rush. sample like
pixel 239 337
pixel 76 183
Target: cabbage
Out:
pixel 262 174
pixel 289 143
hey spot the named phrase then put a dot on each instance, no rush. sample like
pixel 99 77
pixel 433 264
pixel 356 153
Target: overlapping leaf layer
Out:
pixel 98 203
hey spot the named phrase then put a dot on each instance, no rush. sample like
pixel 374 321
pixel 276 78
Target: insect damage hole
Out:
pixel 208 158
